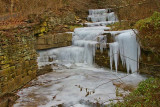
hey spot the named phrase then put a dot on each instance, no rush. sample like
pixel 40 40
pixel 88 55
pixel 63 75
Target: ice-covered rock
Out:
pixel 101 15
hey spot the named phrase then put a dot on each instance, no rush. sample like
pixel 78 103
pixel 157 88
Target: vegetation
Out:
pixel 151 22
pixel 121 26
pixel 149 31
pixel 72 27
pixel 126 9
pixel 39 6
pixel 146 95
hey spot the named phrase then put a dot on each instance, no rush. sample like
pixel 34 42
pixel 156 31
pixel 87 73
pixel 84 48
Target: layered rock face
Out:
pixel 54 41
pixel 18 63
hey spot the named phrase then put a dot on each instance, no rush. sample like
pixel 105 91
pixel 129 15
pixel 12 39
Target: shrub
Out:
pixel 146 95
pixel 149 32
pixel 148 23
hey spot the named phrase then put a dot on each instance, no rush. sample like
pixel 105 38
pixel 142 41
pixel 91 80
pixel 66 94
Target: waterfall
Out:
pixel 85 40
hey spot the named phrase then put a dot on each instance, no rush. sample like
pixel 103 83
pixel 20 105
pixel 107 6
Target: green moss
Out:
pixel 149 31
pixel 72 27
pixel 146 95
pixel 41 29
pixel 153 21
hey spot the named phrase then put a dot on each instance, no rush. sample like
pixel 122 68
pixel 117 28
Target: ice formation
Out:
pixel 129 50
pixel 97 15
pixel 63 86
pixel 114 54
pixel 82 50
pixel 112 17
pixel 59 88
pixel 85 40
pixel 127 47
pixel 100 23
pixel 101 17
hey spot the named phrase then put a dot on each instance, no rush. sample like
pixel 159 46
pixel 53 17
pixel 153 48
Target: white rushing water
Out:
pixel 75 74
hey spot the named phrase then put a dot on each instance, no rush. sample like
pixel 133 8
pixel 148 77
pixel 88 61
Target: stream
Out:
pixel 76 81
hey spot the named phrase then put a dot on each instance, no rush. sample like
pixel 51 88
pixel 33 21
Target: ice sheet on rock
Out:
pixel 101 15
pixel 102 40
pixel 87 37
pixel 118 32
pixel 82 51
pixel 88 33
pixel 99 23
pixel 97 15
pixel 62 87
pixel 68 54
pixel 83 43
pixel 112 17
pixel 97 11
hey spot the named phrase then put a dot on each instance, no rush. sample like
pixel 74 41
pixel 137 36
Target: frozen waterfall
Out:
pixel 85 40
pixel 101 17
pixel 127 47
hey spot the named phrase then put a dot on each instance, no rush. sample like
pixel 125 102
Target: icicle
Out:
pixel 114 53
pixel 129 50
pixel 102 41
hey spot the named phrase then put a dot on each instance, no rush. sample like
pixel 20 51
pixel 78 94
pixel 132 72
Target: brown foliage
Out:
pixel 39 6
pixel 131 10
